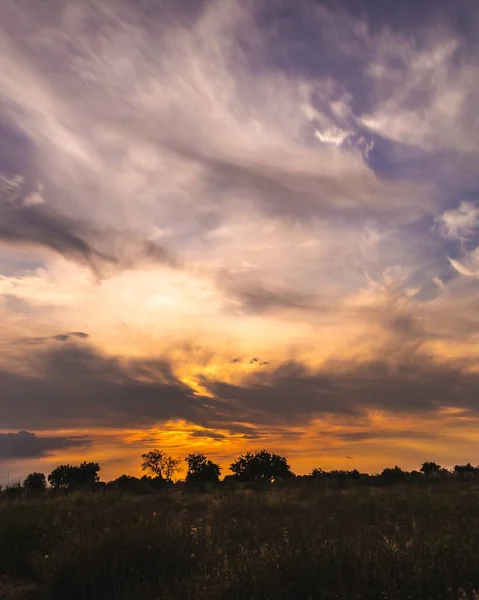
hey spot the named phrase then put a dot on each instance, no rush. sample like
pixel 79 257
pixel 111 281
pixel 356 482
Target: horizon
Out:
pixel 229 225
pixel 6 480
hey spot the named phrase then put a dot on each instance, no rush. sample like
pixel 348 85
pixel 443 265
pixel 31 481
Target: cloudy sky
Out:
pixel 233 225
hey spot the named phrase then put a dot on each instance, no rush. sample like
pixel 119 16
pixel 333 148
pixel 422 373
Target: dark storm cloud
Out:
pixel 293 393
pixel 74 384
pixel 25 444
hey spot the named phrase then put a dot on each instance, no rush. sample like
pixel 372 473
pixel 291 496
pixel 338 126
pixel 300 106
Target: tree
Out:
pixel 60 477
pixel 87 474
pixel 160 464
pixel 70 477
pixel 172 466
pixel 125 483
pixel 261 466
pixel 394 475
pixel 465 471
pixel 201 470
pixel 35 481
pixel 430 468
pixel 342 475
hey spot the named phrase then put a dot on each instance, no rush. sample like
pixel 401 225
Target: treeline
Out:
pixel 254 469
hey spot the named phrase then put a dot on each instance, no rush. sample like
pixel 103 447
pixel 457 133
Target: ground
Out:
pixel 419 542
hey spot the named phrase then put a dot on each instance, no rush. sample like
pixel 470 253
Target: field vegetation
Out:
pixel 302 542
pixel 338 535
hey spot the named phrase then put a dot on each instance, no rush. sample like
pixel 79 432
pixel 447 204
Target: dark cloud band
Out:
pixel 75 385
pixel 25 444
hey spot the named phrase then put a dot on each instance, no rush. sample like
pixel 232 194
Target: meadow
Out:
pixel 298 542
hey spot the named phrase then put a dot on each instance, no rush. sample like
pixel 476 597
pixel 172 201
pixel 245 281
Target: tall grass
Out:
pixel 390 543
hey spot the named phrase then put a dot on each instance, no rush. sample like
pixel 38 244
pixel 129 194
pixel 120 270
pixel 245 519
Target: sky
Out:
pixel 233 225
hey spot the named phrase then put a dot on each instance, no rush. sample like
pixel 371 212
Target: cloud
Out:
pixel 23 221
pixel 195 121
pixel 253 297
pixel 208 434
pixel 469 265
pixel 460 223
pixel 75 384
pixel 323 183
pixel 35 224
pixel 34 198
pixel 198 139
pixel 288 162
pixel 25 444
pixel 293 393
pixel 378 434
pixel 59 337
pixel 39 227
pixel 426 86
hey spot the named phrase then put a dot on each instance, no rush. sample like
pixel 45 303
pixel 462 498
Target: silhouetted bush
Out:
pixel 465 471
pixel 13 491
pixel 68 477
pixel 35 481
pixel 394 475
pixel 430 468
pixel 201 470
pixel 261 466
pixel 142 485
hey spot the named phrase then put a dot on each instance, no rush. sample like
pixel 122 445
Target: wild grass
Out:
pixel 367 543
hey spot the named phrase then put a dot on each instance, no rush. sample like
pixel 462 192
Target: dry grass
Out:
pixel 390 543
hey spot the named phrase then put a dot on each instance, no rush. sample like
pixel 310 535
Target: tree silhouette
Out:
pixel 160 464
pixel 172 466
pixel 430 468
pixel 465 470
pixel 201 469
pixel 125 483
pixel 87 474
pixel 261 466
pixel 342 475
pixel 35 481
pixel 394 475
pixel 60 477
pixel 69 477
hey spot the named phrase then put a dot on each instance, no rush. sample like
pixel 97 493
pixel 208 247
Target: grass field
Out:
pixel 300 543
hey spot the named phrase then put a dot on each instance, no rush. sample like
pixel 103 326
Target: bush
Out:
pixel 35 481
